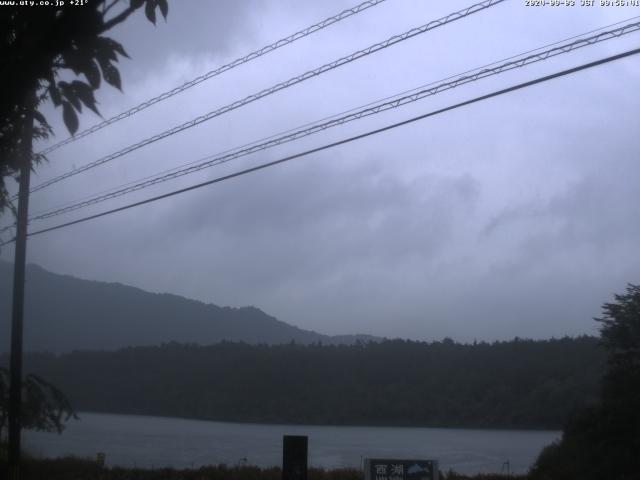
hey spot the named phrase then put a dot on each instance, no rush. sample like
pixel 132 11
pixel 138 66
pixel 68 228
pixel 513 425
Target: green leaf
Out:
pixel 150 10
pixel 136 3
pixel 73 59
pixel 55 94
pixel 107 48
pixel 163 5
pixel 92 72
pixel 105 51
pixel 70 94
pixel 44 130
pixel 85 93
pixel 112 75
pixel 40 118
pixel 118 47
pixel 70 118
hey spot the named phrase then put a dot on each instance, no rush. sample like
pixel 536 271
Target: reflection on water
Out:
pixel 154 442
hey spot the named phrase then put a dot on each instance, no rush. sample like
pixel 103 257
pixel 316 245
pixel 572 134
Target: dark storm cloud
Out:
pixel 517 216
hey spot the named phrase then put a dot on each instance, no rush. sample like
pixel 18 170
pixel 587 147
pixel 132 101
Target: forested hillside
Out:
pixel 64 313
pixel 520 383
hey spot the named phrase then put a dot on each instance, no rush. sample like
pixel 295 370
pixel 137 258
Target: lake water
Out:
pixel 154 442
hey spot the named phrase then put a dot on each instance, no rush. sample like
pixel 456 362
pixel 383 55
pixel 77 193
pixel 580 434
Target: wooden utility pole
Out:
pixel 15 390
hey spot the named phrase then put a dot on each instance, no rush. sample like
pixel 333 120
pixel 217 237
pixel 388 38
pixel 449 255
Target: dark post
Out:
pixel 294 457
pixel 15 387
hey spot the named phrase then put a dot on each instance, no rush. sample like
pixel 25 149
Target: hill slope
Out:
pixel 63 313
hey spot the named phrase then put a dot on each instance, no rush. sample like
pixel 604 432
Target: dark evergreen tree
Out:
pixel 603 441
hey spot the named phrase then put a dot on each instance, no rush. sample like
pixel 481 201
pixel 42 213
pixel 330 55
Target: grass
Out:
pixel 73 468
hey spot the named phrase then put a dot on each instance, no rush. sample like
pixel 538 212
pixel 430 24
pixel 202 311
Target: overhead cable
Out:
pixel 335 115
pixel 383 106
pixel 213 73
pixel 276 88
pixel 503 91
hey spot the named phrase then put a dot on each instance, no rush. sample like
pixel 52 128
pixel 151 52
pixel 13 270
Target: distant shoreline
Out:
pixel 285 424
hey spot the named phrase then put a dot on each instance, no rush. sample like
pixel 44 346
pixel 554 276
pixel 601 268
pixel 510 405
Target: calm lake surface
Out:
pixel 154 442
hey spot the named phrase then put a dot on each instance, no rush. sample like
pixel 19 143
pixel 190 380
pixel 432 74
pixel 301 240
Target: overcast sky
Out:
pixel 518 216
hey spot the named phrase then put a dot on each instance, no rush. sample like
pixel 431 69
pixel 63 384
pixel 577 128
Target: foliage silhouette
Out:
pixel 603 441
pixel 44 407
pixel 41 45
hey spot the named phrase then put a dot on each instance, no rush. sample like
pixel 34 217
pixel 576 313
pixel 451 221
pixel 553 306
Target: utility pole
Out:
pixel 25 151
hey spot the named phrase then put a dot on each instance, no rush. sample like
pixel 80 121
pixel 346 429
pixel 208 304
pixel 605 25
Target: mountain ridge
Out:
pixel 65 313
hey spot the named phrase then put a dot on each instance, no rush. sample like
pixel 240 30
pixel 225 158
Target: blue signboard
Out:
pixel 400 469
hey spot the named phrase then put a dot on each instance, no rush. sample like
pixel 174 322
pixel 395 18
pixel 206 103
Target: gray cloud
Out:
pixel 517 216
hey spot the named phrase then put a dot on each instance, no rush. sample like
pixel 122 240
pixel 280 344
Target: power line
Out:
pixel 208 162
pixel 343 141
pixel 280 86
pixel 224 68
pixel 412 90
pixel 292 135
pixel 112 189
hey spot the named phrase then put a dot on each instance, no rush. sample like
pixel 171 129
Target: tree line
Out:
pixel 513 384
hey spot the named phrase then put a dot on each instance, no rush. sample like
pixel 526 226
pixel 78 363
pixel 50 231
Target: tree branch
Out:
pixel 107 8
pixel 121 17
